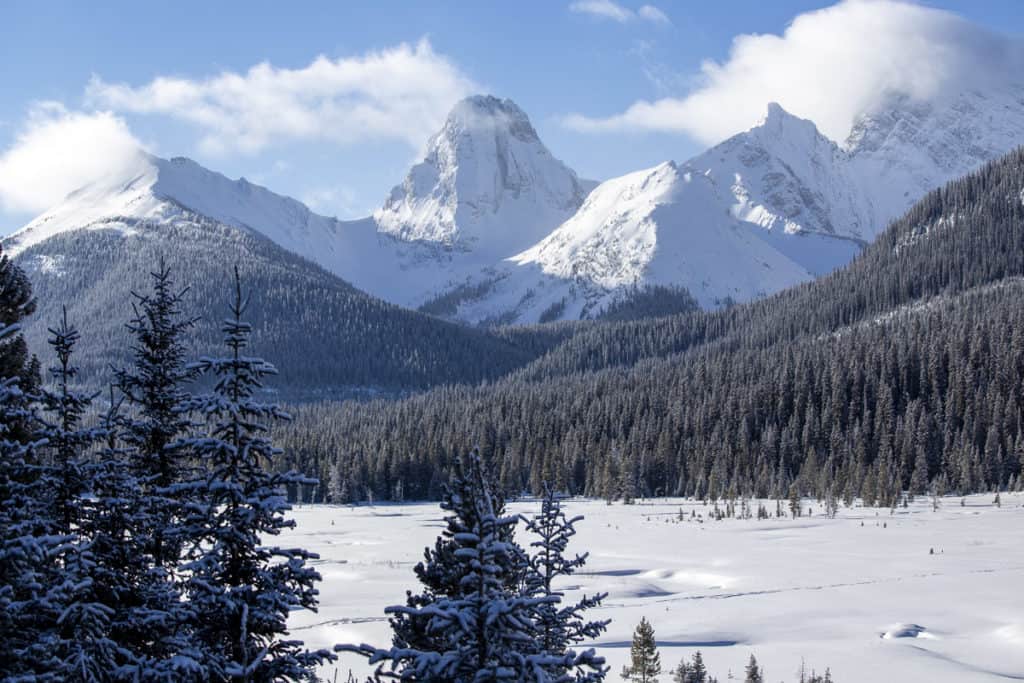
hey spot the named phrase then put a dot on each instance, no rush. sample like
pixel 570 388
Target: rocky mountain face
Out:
pixel 768 208
pixel 489 227
pixel 486 184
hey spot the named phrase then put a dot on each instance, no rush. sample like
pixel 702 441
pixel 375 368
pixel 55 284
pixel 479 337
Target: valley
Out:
pixel 844 593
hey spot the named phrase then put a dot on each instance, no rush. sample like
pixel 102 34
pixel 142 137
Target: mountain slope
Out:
pixel 904 149
pixel 325 337
pixel 489 228
pixel 665 226
pixel 900 371
pixel 767 208
pixel 160 191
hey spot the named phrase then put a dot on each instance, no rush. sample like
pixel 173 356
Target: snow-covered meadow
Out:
pixel 862 593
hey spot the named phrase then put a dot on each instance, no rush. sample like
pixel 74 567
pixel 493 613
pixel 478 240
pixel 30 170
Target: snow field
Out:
pixel 861 594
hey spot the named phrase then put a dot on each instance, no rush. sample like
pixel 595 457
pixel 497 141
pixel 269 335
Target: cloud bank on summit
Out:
pixel 828 66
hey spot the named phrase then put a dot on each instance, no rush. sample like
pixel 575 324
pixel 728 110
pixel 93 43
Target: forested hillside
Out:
pixel 902 371
pixel 325 337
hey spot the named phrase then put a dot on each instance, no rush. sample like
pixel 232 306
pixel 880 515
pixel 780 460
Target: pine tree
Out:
pixel 693 671
pixel 240 589
pixel 475 622
pixel 16 304
pixel 442 572
pixel 560 627
pixel 153 387
pixel 754 674
pixel 149 620
pixel 80 641
pixel 28 538
pixel 645 661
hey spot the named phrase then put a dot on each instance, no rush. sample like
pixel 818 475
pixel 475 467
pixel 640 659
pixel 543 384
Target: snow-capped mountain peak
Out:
pixel 784 176
pixel 904 147
pixel 779 126
pixel 486 183
pixel 489 226
pixel 155 191
pixel 661 226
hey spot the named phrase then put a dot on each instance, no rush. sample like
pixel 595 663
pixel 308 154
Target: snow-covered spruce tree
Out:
pixel 240 589
pixel 644 660
pixel 144 493
pixel 27 534
pixel 16 303
pixel 441 573
pixel 153 387
pixel 483 626
pixel 28 538
pixel 67 441
pixel 560 627
pixel 79 639
pixel 149 621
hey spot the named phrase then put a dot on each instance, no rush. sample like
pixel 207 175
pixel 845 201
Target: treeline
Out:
pixel 901 372
pixel 327 338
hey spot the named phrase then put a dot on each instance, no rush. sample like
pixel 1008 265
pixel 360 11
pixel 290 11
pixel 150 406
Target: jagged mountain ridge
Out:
pixel 767 208
pixel 486 182
pixel 490 227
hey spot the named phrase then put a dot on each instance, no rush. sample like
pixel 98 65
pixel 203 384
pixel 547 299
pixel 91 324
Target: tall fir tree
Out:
pixel 149 619
pixel 644 660
pixel 154 388
pixel 441 572
pixel 27 534
pixel 242 590
pixel 80 642
pixel 483 627
pixel 16 304
pixel 753 672
pixel 559 626
pixel 146 486
pixel 29 539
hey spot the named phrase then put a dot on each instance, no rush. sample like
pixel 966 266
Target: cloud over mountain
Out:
pixel 57 151
pixel 401 93
pixel 829 66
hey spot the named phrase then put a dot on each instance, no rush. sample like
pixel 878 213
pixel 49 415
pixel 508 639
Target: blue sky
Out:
pixel 576 68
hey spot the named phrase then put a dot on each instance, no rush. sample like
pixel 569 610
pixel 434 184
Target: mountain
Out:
pixel 904 148
pixel 159 191
pixel 770 207
pixel 326 337
pixel 900 371
pixel 762 211
pixel 489 228
pixel 486 184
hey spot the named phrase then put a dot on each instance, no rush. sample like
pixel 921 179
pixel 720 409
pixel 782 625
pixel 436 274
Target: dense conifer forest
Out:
pixel 327 338
pixel 902 371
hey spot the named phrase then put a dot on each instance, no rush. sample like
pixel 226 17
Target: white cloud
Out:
pixel 607 9
pixel 829 66
pixel 58 151
pixel 402 93
pixel 652 13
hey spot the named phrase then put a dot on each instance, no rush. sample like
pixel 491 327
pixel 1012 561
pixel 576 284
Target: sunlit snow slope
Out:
pixel 490 227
